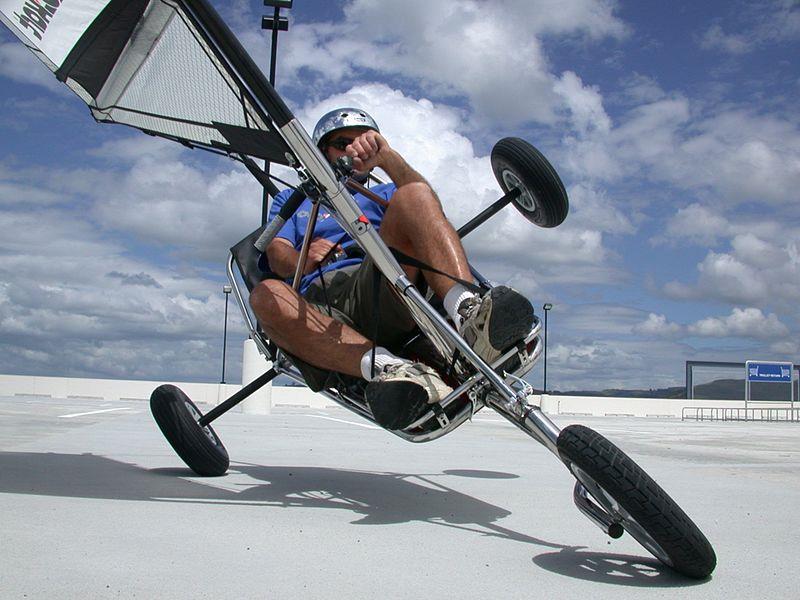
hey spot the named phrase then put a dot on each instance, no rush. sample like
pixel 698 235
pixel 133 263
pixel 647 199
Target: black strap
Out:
pixel 405 259
pixel 324 290
pixel 376 292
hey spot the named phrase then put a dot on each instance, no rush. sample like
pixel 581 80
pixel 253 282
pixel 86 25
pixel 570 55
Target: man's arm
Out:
pixel 283 257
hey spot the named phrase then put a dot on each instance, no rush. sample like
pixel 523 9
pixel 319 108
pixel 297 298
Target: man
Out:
pixel 331 326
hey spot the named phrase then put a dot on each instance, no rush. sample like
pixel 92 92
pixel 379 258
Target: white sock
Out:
pixel 453 299
pixel 383 358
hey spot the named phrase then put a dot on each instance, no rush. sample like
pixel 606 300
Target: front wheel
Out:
pixel 636 502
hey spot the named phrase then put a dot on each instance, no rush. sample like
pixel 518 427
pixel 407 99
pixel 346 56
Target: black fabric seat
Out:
pixel 253 265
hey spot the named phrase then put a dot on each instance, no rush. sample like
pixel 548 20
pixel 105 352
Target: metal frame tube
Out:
pixel 251 387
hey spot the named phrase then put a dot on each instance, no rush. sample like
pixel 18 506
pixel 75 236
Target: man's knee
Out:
pixel 269 299
pixel 414 196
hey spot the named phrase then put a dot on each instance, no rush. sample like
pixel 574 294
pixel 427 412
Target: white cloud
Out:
pixel 455 48
pixel 19 64
pixel 658 326
pixel 760 23
pixel 585 105
pixel 716 39
pixel 508 246
pixel 754 272
pixel 697 223
pixel 74 302
pixel 747 322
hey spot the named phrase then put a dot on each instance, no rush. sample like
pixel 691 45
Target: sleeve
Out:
pixel 289 230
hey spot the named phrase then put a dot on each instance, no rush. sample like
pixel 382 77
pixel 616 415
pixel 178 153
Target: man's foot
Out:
pixel 495 321
pixel 401 394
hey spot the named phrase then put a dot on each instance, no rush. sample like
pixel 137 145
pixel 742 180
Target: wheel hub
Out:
pixel 525 198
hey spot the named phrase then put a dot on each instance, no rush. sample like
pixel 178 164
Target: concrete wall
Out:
pixel 214 393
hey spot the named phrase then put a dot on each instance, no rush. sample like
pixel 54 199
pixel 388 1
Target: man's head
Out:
pixel 338 120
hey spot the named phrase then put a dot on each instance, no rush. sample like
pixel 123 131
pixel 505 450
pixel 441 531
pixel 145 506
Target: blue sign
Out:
pixel 769 371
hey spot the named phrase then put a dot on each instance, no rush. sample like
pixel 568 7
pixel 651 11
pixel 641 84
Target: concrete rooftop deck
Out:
pixel 319 504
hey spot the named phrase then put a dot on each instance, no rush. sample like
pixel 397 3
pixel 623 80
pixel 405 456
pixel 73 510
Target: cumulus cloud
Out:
pixel 426 133
pixel 658 326
pixel 755 272
pixel 747 322
pixel 72 302
pixel 454 48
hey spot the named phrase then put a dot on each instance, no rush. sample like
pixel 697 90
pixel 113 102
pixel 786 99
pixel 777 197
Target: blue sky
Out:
pixel 674 127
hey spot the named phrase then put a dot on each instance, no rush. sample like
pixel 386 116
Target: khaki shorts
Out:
pixel 349 297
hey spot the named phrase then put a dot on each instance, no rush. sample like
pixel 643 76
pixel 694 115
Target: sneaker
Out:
pixel 402 392
pixel 494 322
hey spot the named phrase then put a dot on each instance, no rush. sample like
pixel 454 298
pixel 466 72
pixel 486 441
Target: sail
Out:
pixel 167 67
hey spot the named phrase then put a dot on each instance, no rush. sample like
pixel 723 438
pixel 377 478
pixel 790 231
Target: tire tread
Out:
pixel 654 510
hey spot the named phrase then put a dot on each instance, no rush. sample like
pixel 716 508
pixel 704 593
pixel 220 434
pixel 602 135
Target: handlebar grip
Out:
pixel 284 214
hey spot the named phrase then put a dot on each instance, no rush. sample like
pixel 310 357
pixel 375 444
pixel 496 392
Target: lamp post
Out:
pixel 226 289
pixel 275 23
pixel 546 307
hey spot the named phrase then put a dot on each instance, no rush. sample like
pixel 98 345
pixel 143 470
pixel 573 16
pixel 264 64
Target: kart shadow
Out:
pixel 617 569
pixel 376 498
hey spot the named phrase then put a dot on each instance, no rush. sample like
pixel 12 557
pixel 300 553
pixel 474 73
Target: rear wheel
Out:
pixel 542 198
pixel 177 417
pixel 636 502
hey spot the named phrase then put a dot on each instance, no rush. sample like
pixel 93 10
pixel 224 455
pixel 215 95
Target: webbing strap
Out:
pixel 405 259
pixel 376 292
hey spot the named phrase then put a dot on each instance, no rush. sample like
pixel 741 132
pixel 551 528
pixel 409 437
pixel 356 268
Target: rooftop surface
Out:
pixel 319 503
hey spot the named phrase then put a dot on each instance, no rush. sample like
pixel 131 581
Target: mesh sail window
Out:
pixel 156 66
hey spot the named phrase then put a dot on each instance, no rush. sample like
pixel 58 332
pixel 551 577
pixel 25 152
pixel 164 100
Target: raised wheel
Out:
pixel 177 417
pixel 636 502
pixel 542 199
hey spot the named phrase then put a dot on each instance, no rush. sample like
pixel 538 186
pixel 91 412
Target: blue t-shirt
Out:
pixel 326 226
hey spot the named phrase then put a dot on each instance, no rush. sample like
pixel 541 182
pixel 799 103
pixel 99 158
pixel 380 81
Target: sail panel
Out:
pixel 52 27
pixel 145 63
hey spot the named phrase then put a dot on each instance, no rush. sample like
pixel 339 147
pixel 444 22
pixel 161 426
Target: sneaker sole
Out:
pixel 511 318
pixel 396 404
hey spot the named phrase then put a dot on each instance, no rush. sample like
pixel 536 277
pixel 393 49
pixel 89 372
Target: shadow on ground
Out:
pixel 376 498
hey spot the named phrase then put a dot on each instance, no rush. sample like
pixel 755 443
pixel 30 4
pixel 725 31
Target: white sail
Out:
pixel 157 65
pixel 50 27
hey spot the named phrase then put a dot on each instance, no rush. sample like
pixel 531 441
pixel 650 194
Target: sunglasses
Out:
pixel 341 143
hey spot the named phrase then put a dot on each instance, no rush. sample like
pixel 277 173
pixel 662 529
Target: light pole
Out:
pixel 275 23
pixel 226 289
pixel 546 307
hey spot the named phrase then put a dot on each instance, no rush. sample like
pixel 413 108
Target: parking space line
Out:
pixel 93 412
pixel 343 421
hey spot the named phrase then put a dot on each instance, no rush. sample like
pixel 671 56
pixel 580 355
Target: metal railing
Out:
pixel 697 413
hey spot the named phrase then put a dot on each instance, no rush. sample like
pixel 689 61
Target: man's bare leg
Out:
pixel 300 329
pixel 416 225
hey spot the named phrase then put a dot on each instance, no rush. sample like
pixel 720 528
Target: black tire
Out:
pixel 642 507
pixel 543 199
pixel 177 417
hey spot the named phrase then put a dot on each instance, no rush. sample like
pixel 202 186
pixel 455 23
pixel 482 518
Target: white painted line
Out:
pixel 343 421
pixel 93 412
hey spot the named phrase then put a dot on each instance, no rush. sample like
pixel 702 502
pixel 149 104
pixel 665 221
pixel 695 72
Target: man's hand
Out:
pixel 368 150
pixel 318 250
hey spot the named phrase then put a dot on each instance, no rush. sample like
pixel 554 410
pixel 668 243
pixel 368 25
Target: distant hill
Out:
pixel 719 389
pixel 670 392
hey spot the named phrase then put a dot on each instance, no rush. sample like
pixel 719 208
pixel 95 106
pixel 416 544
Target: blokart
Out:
pixel 128 52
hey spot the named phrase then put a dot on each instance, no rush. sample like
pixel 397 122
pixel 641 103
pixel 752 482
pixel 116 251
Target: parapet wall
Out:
pixel 214 393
